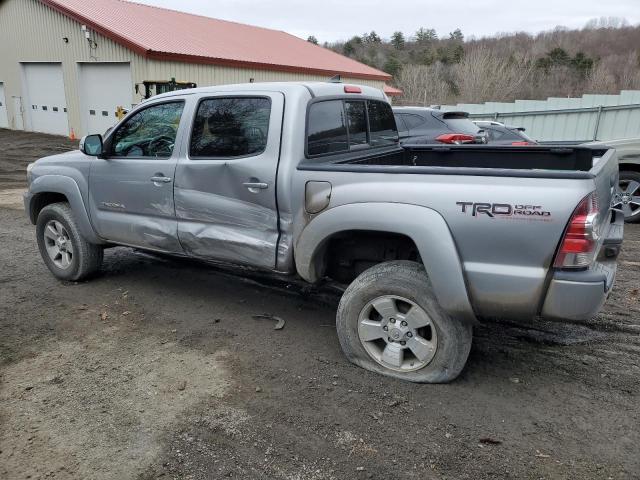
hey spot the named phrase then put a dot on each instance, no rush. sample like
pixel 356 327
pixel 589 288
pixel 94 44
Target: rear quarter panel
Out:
pixel 505 259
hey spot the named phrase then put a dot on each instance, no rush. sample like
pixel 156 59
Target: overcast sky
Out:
pixel 331 20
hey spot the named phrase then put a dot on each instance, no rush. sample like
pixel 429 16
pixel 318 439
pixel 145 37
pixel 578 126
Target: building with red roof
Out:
pixel 67 65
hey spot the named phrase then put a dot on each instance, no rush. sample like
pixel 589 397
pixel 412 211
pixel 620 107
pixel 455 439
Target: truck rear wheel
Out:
pixel 64 250
pixel 390 322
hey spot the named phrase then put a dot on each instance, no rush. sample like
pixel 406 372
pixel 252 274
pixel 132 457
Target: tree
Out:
pixel 558 56
pixel 606 23
pixel 312 39
pixel 457 53
pixel 371 37
pixel 392 66
pixel 348 49
pixel 426 56
pixel 602 58
pixel 426 35
pixel 456 35
pixel 582 64
pixel 397 40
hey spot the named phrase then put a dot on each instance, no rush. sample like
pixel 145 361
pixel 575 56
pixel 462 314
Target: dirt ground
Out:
pixel 156 369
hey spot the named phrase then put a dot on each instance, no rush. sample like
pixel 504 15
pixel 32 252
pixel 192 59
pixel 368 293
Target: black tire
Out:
pixel 627 176
pixel 408 280
pixel 87 257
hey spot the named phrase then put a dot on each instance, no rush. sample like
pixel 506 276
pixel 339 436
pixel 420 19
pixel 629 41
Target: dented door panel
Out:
pixel 226 206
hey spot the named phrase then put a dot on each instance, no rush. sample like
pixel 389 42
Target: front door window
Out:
pixel 150 133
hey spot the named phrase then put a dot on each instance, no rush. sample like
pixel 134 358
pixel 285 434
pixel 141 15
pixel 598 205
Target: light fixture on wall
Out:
pixel 87 34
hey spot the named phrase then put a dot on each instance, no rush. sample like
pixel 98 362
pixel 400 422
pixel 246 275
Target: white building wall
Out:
pixel 33 32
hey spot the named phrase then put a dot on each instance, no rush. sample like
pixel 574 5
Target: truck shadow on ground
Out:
pixel 182 285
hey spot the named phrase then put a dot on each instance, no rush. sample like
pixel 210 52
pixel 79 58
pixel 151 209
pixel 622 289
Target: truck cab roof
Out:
pixel 315 89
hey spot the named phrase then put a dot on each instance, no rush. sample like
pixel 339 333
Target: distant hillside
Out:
pixel 603 57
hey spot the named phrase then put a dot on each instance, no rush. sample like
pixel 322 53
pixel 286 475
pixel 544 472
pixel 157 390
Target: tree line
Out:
pixel 602 57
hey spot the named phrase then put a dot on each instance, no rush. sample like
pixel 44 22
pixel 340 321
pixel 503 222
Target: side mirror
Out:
pixel 91 145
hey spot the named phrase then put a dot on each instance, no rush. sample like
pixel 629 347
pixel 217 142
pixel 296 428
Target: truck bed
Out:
pixel 530 161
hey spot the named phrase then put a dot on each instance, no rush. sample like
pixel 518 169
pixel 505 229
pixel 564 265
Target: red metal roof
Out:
pixel 170 35
pixel 392 91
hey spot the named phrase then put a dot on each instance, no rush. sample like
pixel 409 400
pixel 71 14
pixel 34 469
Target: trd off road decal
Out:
pixel 504 210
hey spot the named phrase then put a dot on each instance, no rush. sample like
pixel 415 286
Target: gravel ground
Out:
pixel 156 369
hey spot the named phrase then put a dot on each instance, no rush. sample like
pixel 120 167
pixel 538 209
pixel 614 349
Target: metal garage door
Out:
pixel 103 88
pixel 46 105
pixel 4 119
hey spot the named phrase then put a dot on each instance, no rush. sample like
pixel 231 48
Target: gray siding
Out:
pixel 590 117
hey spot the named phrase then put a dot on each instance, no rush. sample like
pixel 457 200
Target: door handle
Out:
pixel 161 179
pixel 255 186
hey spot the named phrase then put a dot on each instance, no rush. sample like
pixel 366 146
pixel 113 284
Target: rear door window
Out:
pixel 230 127
pixel 327 131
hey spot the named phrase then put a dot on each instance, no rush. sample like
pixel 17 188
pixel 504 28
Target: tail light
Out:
pixel 580 240
pixel 352 89
pixel 455 138
pixel 522 144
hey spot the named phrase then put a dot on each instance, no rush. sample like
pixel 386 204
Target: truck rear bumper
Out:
pixel 580 295
pixel 574 300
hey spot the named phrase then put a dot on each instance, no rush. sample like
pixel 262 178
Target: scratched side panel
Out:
pixel 223 228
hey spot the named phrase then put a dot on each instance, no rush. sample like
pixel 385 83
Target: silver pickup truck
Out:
pixel 309 180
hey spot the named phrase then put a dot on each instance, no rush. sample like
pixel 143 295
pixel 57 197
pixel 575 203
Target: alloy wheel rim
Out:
pixel 397 333
pixel 58 244
pixel 628 198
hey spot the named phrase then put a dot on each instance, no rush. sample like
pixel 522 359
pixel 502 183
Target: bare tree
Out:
pixel 425 85
pixel 482 75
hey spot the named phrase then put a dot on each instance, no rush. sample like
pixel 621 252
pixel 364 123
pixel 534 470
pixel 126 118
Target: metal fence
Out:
pixel 590 117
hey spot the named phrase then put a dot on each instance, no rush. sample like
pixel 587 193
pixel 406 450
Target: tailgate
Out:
pixel 605 171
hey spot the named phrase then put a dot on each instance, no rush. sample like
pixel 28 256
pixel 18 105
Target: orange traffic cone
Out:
pixel 72 136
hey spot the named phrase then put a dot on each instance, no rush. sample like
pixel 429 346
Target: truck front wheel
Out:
pixel 63 248
pixel 390 322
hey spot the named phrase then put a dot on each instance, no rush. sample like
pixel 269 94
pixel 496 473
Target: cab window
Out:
pixel 336 126
pixel 382 125
pixel 357 123
pixel 327 132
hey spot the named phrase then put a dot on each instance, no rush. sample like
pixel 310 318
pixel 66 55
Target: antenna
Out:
pixel 336 79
